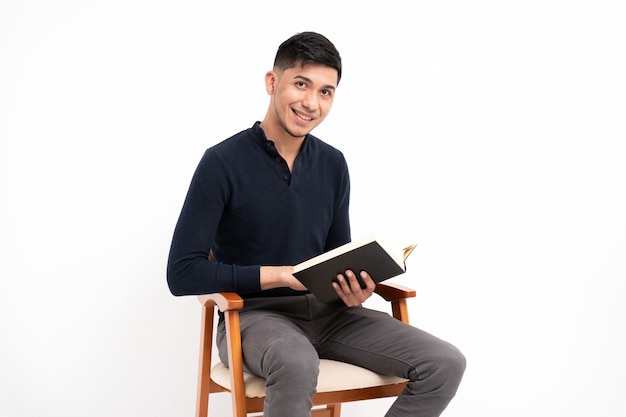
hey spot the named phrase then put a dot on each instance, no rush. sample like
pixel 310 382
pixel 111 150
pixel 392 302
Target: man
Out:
pixel 270 197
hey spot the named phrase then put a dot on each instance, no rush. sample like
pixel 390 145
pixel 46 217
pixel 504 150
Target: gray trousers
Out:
pixel 284 337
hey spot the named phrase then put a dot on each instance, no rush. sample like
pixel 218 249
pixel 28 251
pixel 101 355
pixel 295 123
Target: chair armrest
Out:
pixel 393 292
pixel 228 301
pixel 225 301
pixel 397 295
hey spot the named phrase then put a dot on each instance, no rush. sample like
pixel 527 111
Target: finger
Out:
pixel 342 286
pixel 369 282
pixel 355 286
pixel 344 290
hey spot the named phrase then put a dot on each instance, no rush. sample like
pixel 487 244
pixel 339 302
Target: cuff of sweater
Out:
pixel 248 279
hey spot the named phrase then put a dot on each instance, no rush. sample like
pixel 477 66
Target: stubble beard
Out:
pixel 284 126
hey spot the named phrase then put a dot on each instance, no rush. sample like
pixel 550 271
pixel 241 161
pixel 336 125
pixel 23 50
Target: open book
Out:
pixel 367 254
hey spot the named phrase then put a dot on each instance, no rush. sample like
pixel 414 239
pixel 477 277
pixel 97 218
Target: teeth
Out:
pixel 302 116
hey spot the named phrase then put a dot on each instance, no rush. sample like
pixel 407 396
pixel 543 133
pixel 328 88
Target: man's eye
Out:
pixel 326 92
pixel 300 84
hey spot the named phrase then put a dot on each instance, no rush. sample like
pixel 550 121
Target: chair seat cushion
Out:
pixel 333 376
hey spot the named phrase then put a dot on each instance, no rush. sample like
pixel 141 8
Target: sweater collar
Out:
pixel 260 138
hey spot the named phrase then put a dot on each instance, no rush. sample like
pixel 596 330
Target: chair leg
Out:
pixel 235 364
pixel 204 371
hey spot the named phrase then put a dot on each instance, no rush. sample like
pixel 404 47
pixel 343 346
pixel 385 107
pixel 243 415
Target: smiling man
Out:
pixel 272 196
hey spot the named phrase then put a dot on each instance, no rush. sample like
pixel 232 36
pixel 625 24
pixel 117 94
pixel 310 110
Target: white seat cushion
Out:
pixel 333 376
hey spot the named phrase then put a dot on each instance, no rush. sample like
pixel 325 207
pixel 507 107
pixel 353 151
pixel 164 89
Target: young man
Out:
pixel 270 197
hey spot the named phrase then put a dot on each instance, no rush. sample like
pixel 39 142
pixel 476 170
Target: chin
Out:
pixel 299 132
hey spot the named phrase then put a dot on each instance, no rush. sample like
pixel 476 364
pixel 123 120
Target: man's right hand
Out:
pixel 279 276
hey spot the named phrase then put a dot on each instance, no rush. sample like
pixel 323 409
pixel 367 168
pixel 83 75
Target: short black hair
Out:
pixel 308 48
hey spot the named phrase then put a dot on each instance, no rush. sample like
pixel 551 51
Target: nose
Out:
pixel 310 100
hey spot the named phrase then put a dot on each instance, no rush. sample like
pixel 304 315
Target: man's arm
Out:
pixel 279 276
pixel 189 270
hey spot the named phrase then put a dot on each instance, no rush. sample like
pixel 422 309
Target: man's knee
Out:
pixel 293 361
pixel 442 369
pixel 455 364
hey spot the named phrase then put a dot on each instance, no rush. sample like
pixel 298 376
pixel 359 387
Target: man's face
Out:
pixel 301 96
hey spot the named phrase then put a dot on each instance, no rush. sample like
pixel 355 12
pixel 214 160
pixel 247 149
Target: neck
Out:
pixel 287 146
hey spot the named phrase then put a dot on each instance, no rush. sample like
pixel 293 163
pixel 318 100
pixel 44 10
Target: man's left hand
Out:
pixel 349 289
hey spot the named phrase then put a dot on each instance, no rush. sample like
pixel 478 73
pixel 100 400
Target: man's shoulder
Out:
pixel 230 147
pixel 233 141
pixel 324 149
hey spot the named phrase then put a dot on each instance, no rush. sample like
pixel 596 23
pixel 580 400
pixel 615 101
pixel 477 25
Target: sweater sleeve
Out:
pixel 339 231
pixel 189 270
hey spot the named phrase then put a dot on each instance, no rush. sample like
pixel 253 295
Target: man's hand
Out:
pixel 349 289
pixel 279 276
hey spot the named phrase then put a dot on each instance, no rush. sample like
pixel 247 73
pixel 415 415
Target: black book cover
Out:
pixel 370 257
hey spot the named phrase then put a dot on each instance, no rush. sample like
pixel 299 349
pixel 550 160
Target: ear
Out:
pixel 271 78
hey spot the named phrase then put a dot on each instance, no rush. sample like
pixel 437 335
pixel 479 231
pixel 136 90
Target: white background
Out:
pixel 491 133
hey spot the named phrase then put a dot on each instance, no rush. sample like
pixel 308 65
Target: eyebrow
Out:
pixel 308 80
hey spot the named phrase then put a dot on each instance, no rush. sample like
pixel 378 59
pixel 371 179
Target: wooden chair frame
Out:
pixel 230 303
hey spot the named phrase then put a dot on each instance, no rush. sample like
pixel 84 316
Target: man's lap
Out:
pixel 301 328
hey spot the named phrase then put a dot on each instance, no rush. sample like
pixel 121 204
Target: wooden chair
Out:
pixel 248 391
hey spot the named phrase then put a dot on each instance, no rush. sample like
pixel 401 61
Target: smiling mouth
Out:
pixel 302 116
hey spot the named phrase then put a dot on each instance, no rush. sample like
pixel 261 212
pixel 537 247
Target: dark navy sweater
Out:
pixel 246 207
